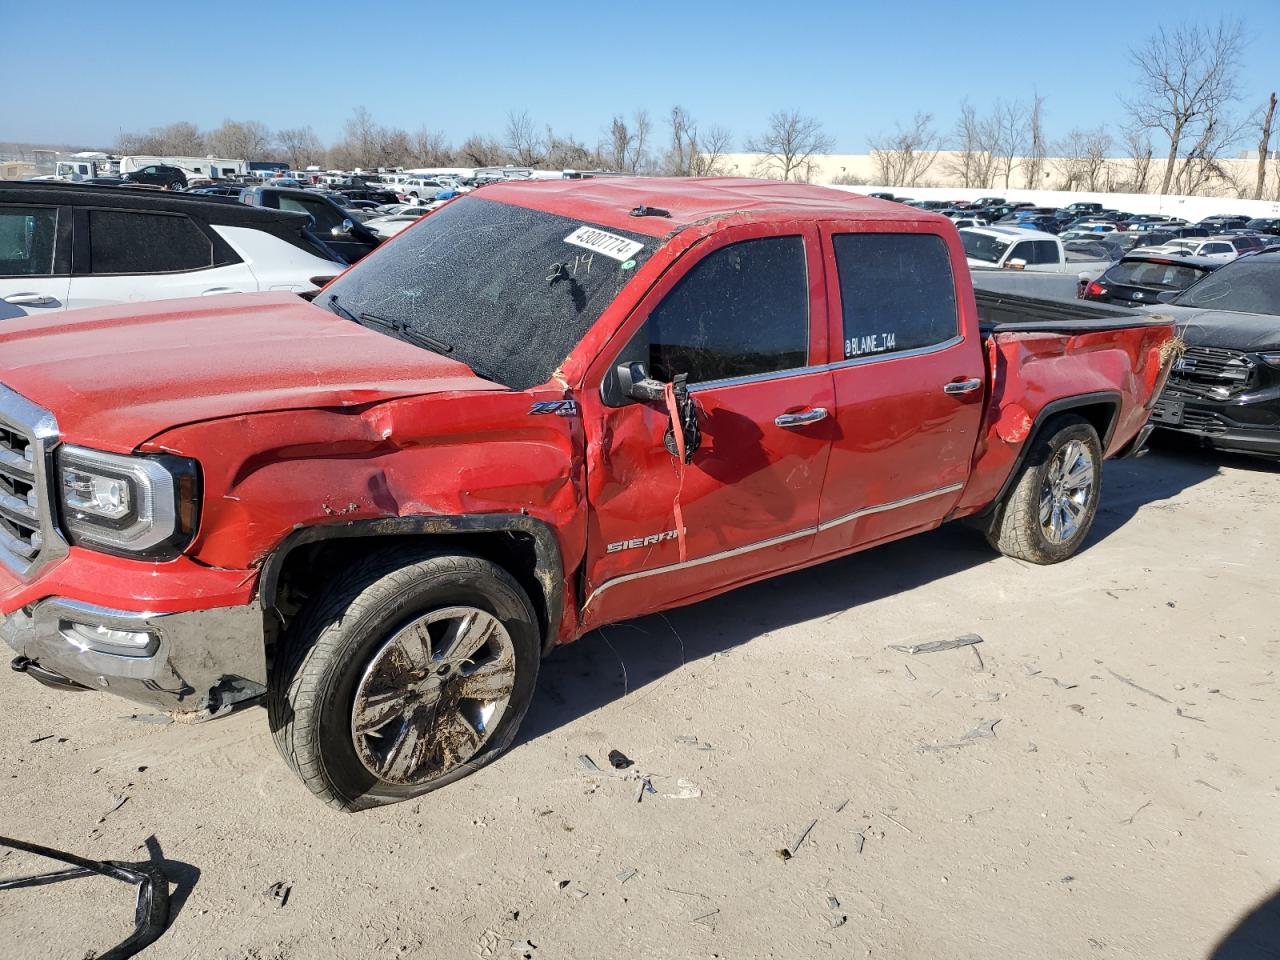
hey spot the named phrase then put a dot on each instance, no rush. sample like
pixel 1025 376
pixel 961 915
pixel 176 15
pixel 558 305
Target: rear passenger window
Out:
pixel 1043 251
pixel 26 241
pixel 126 242
pixel 896 292
pixel 741 310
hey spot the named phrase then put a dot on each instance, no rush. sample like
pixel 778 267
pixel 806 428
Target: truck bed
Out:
pixel 1016 313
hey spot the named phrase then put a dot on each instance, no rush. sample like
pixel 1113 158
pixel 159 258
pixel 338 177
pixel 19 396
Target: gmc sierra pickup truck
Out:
pixel 546 407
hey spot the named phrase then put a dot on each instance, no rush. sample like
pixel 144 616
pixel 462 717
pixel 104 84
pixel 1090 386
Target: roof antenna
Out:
pixel 643 211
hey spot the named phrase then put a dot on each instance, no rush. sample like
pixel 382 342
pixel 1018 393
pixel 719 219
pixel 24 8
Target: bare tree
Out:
pixel 1201 164
pixel 905 156
pixel 628 144
pixel 1141 153
pixel 239 140
pixel 480 151
pixel 790 146
pixel 1083 160
pixel 432 149
pixel 522 141
pixel 695 153
pixel 1011 136
pixel 567 152
pixel 1264 146
pixel 1186 79
pixel 299 146
pixel 1036 148
pixel 181 139
pixel 975 141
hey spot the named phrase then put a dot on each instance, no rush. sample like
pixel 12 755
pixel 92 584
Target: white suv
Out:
pixel 65 245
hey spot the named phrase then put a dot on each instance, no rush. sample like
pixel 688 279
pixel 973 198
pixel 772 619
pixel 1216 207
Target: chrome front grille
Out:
pixel 28 534
pixel 1211 372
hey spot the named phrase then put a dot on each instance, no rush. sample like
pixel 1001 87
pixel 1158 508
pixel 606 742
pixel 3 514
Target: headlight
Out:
pixel 135 506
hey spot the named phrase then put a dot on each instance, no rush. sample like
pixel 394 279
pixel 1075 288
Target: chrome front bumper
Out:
pixel 202 662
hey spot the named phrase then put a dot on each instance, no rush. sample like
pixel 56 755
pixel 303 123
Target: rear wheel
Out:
pixel 177 185
pixel 416 671
pixel 1047 514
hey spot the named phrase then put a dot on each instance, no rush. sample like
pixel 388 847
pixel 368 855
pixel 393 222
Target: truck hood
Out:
pixel 1248 332
pixel 116 376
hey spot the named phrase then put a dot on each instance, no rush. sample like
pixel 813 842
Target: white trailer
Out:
pixel 216 168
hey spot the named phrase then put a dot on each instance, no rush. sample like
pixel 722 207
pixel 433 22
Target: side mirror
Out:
pixel 344 230
pixel 1015 264
pixel 636 384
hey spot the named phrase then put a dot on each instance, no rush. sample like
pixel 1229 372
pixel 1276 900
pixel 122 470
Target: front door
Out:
pixel 33 261
pixel 909 379
pixel 744 317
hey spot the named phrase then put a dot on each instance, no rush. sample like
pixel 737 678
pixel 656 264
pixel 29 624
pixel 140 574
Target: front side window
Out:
pixel 126 242
pixel 896 292
pixel 26 241
pixel 740 311
pixel 982 246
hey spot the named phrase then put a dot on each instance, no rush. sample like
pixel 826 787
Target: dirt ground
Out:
pixel 1099 779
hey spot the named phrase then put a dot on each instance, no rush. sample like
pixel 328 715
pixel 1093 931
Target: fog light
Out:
pixel 122 643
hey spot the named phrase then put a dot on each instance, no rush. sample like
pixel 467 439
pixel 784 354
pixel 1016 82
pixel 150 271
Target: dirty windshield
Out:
pixel 981 246
pixel 506 290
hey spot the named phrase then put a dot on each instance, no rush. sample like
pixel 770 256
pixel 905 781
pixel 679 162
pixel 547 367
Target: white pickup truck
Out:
pixel 1011 248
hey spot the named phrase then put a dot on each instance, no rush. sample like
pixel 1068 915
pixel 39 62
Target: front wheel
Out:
pixel 1046 515
pixel 415 671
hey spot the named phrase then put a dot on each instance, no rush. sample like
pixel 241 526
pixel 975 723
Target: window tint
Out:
pixel 323 216
pixel 741 310
pixel 1044 251
pixel 26 241
pixel 125 242
pixel 896 291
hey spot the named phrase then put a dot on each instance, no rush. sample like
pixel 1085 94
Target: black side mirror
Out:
pixel 636 384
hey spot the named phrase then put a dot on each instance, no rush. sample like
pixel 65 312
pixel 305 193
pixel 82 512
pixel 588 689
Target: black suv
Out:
pixel 160 175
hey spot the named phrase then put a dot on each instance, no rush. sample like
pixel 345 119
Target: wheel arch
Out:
pixel 1100 409
pixel 524 546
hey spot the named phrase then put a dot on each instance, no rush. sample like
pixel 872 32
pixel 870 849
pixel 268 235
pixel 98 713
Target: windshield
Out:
pixel 1248 285
pixel 506 290
pixel 980 246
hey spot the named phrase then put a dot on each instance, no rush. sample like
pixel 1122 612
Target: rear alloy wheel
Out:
pixel 414 670
pixel 1047 513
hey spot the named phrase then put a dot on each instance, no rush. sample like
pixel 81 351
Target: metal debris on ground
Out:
pixel 118 801
pixel 589 766
pixel 839 920
pixel 936 646
pixel 619 760
pixel 684 791
pixel 705 917
pixel 47 736
pixel 1128 821
pixel 786 853
pixel 987 728
pixel 895 821
pixel 1077 707
pixel 832 903
pixel 694 742
pixel 625 875
pixel 862 842
pixel 524 949
pixel 841 805
pixel 643 787
pixel 278 893
pixel 1126 680
pixel 1187 716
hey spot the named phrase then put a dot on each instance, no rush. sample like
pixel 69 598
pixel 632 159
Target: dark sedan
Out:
pixel 1139 279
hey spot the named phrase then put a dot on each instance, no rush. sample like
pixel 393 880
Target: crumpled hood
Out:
pixel 117 376
pixel 1248 332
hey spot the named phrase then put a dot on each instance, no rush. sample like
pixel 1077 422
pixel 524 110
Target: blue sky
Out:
pixel 859 67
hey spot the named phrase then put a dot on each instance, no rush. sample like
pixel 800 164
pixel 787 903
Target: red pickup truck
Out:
pixel 547 407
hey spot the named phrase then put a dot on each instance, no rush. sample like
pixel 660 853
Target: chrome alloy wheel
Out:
pixel 433 694
pixel 1066 492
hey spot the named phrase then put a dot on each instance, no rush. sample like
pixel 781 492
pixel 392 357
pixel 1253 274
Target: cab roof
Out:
pixel 609 201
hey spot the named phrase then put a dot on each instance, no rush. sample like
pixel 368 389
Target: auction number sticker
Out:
pixel 601 241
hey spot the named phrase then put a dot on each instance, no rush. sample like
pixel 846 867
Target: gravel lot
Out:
pixel 1127 805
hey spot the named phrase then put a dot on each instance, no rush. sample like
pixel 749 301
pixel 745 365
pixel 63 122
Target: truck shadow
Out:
pixel 609 663
pixel 1256 935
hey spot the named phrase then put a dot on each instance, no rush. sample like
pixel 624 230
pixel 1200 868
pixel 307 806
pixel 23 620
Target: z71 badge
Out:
pixel 650 541
pixel 561 408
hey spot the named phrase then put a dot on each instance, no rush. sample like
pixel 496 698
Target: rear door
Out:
pixel 744 316
pixel 34 259
pixel 123 256
pixel 908 384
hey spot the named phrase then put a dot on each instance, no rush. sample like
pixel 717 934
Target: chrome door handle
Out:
pixel 789 421
pixel 963 386
pixel 29 299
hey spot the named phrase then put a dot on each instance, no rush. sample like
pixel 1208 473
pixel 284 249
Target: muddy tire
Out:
pixel 1047 513
pixel 413 670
